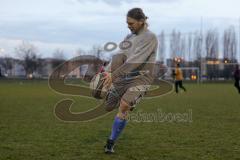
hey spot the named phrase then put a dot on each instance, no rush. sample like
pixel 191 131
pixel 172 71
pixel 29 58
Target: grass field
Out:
pixel 30 131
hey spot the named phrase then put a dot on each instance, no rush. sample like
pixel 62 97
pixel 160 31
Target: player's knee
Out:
pixel 124 106
pixel 122 115
pixel 122 112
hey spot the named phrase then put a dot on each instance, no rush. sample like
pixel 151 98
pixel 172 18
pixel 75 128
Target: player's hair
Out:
pixel 137 13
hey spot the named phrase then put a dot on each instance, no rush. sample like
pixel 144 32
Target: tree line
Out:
pixel 189 46
pixel 196 45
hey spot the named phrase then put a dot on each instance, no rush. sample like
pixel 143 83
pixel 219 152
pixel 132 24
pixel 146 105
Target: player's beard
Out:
pixel 133 31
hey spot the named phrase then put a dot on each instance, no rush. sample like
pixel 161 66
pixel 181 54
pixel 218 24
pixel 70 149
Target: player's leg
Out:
pixel 114 100
pixel 119 124
pixel 117 89
pixel 237 85
pixel 115 94
pixel 133 92
pixel 120 120
pixel 181 86
pixel 130 98
pixel 176 86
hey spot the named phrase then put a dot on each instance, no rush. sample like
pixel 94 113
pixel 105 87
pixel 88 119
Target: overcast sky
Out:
pixel 73 24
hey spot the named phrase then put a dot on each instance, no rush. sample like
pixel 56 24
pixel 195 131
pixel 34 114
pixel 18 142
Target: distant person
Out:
pixel 237 78
pixel 178 78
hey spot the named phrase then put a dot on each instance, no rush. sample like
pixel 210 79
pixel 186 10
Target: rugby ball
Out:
pixel 96 85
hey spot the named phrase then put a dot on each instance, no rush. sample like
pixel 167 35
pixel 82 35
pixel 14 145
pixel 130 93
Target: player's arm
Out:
pixel 173 73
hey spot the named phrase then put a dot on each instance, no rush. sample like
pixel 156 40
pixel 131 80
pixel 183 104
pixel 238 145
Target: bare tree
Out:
pixel 212 48
pixel 189 48
pixel 58 57
pixel 175 44
pixel 229 50
pixel 96 51
pixel 182 49
pixel 197 45
pixel 230 44
pixel 161 46
pixel 28 55
pixel 7 64
pixel 212 44
pixel 80 52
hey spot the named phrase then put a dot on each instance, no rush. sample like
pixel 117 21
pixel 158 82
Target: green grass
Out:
pixel 29 130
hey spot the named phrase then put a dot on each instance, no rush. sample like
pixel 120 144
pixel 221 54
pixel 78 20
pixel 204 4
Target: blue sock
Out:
pixel 118 126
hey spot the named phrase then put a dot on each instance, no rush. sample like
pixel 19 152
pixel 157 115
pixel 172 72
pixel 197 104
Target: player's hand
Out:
pixel 108 79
